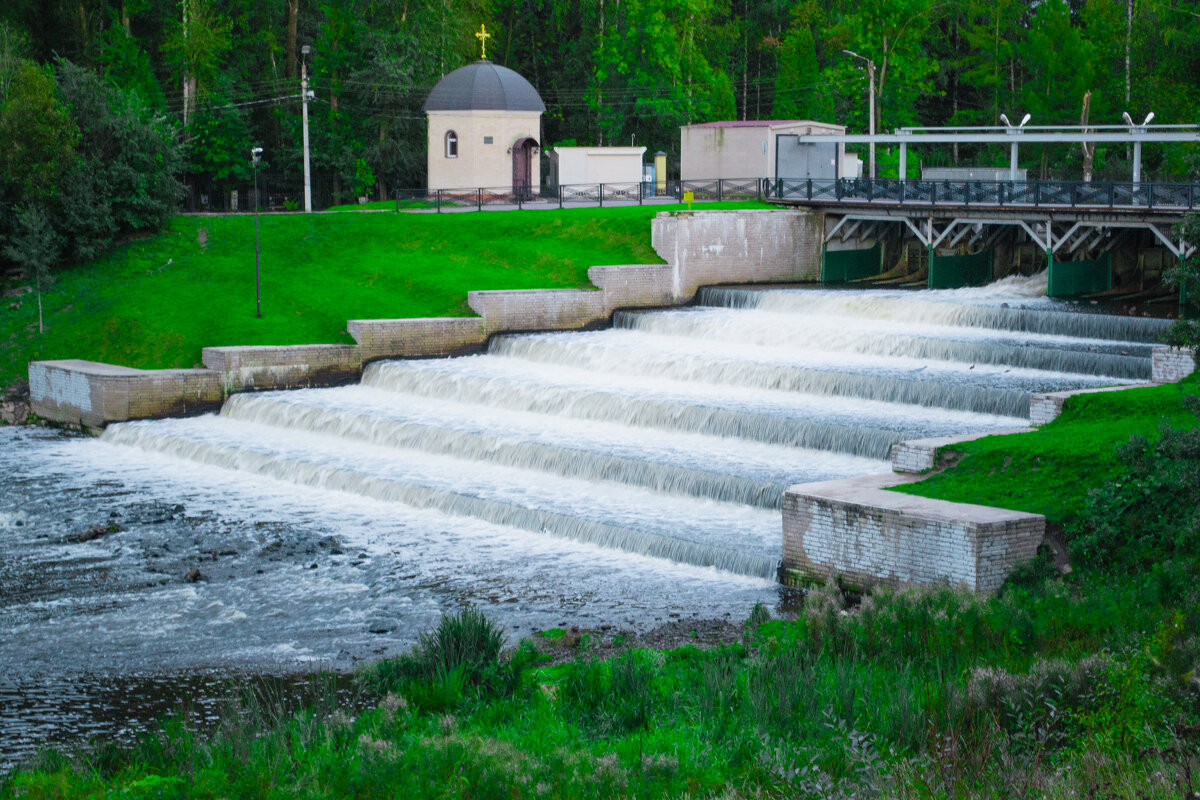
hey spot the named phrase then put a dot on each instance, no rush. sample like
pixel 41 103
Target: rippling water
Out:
pixel 616 478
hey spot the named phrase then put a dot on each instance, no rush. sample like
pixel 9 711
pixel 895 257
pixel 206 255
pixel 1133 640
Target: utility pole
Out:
pixel 871 107
pixel 304 116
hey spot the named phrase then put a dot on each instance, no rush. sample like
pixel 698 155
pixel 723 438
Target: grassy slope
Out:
pixel 1051 471
pixel 156 302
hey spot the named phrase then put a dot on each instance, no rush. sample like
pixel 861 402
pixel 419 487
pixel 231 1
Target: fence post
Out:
pixel 439 201
pixel 758 189
pixel 520 187
pixel 397 193
pixel 560 194
pixel 809 189
pixel 479 199
pixel 1150 195
pixel 602 195
pixel 639 193
pixel 720 186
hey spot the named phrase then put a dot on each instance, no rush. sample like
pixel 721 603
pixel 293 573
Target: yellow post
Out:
pixel 688 197
pixel 660 173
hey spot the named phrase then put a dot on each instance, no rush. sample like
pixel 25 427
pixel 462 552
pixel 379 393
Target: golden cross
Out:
pixel 483 36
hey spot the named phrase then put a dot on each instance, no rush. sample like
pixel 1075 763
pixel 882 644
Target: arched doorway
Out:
pixel 522 153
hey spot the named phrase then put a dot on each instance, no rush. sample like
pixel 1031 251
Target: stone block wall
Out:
pixel 716 247
pixel 286 367
pixel 634 285
pixel 91 395
pixel 855 529
pixel 1171 364
pixel 1045 408
pixel 419 337
pixel 538 309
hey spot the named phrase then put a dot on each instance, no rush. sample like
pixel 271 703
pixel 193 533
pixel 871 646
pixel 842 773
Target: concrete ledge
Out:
pixel 285 367
pixel 419 337
pixel 634 285
pixel 855 529
pixel 1045 408
pixel 91 395
pixel 1171 364
pixel 538 309
pixel 920 455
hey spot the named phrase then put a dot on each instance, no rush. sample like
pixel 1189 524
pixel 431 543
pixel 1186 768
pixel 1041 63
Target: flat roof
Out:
pixel 760 123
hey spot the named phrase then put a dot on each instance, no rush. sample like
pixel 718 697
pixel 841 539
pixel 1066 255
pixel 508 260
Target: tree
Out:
pixel 35 247
pixel 38 134
pixel 799 91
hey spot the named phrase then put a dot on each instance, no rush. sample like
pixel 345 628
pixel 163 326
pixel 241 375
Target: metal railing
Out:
pixel 584 194
pixel 1000 194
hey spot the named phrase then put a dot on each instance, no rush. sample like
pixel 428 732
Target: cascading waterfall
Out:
pixel 674 433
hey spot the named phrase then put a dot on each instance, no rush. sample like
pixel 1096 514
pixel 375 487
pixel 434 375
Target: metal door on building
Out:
pixel 796 160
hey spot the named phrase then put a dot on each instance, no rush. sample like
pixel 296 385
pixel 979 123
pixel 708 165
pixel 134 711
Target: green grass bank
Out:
pixel 155 302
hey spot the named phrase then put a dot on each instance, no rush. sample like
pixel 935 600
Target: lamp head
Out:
pixel 1149 117
pixel 1004 119
pixel 1128 120
pixel 1024 120
pixel 305 50
pixel 256 154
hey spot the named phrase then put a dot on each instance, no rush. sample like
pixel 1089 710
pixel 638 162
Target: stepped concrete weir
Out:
pixel 676 434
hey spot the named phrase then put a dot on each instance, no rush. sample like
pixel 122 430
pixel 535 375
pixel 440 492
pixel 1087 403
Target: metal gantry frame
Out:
pixel 1016 135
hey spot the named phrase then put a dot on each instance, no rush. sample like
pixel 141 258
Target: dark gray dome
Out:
pixel 484 86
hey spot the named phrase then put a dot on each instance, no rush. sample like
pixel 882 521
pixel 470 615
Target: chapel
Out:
pixel 484 128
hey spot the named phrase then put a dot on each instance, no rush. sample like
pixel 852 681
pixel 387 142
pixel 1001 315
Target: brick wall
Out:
pixel 538 309
pixel 417 337
pixel 870 536
pixel 1171 364
pixel 1045 408
pixel 91 395
pixel 286 367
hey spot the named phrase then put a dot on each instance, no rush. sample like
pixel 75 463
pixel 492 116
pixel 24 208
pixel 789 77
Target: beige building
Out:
pixel 484 130
pixel 760 149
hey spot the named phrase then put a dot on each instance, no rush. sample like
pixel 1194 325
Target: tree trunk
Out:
pixel 293 20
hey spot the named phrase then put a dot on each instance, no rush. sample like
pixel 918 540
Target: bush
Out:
pixel 461 654
pixel 1151 512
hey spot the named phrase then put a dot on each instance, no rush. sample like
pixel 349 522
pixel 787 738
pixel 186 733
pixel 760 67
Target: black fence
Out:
pixel 1071 194
pixel 286 193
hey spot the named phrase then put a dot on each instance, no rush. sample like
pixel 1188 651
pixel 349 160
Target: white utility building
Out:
pixel 571 166
pixel 762 149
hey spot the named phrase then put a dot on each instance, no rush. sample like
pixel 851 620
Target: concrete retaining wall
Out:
pixel 1172 364
pixel 738 247
pixel 538 309
pixel 856 529
pixel 290 367
pixel 1045 408
pixel 920 455
pixel 419 337
pixel 91 395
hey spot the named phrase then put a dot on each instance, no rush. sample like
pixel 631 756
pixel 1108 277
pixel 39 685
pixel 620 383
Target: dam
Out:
pixel 619 477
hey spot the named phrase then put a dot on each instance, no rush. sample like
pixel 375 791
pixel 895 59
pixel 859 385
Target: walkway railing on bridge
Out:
pixel 1000 194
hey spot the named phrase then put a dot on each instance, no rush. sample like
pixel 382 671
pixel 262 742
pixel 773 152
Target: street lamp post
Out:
pixel 255 155
pixel 1137 146
pixel 1014 130
pixel 304 95
pixel 871 105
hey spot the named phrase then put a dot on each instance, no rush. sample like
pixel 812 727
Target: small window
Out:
pixel 487 140
pixel 451 144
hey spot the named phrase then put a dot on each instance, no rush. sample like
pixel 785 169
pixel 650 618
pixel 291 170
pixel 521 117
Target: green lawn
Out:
pixel 1051 470
pixel 156 302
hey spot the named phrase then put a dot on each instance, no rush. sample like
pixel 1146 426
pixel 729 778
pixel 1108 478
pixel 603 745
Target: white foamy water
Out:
pixel 611 478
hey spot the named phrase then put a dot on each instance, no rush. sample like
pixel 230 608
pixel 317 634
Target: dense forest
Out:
pixel 165 98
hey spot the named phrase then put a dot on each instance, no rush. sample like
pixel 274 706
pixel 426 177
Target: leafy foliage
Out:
pixel 1151 511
